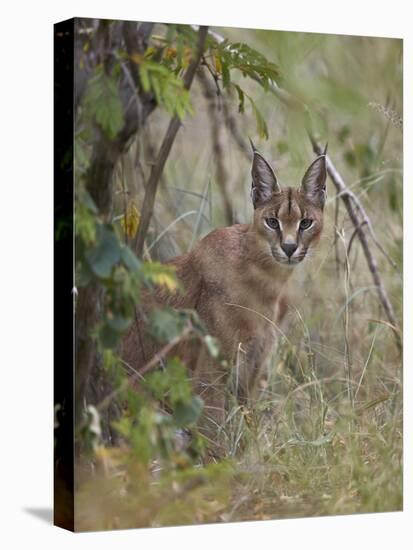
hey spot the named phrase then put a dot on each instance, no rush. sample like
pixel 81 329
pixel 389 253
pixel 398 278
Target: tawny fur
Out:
pixel 236 280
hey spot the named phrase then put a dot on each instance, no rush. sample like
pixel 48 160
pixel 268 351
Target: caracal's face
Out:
pixel 291 224
pixel 289 220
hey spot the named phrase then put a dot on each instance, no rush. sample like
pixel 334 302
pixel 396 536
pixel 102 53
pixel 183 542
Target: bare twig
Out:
pixel 366 221
pixel 371 261
pixel 218 144
pixel 151 364
pixel 136 43
pixel 336 216
pixel 214 76
pixel 174 125
pixel 354 235
pixel 165 350
pixel 232 126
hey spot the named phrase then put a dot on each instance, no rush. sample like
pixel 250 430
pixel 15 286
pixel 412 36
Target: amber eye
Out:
pixel 272 223
pixel 306 223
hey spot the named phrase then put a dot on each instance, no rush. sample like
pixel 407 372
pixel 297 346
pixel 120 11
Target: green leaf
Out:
pixel 123 426
pixel 84 274
pixel 144 77
pixel 171 384
pixel 161 274
pixel 167 87
pixel 241 99
pixel 87 200
pixel 167 324
pixel 108 337
pixel 103 102
pixel 177 382
pixel 261 124
pixel 226 77
pixel 212 345
pixel 105 254
pixel 85 223
pixel 129 259
pixel 186 414
pixel 250 62
pixel 118 323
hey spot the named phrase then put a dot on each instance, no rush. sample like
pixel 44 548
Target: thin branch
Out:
pixel 336 217
pixel 174 125
pixel 354 235
pixel 371 261
pixel 165 350
pixel 150 365
pixel 214 76
pixel 231 124
pixel 136 41
pixel 367 221
pixel 218 144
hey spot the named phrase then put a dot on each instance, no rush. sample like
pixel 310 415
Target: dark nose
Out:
pixel 289 249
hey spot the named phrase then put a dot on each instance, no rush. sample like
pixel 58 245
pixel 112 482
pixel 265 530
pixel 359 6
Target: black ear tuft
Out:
pixel 254 149
pixel 264 181
pixel 314 180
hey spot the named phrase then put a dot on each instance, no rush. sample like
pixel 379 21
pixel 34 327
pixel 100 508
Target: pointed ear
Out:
pixel 264 182
pixel 313 184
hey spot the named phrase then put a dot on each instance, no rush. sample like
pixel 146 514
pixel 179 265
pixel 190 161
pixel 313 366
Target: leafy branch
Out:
pixel 245 59
pixel 174 125
pixel 169 90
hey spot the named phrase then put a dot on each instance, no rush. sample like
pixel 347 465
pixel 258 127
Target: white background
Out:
pixel 26 211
